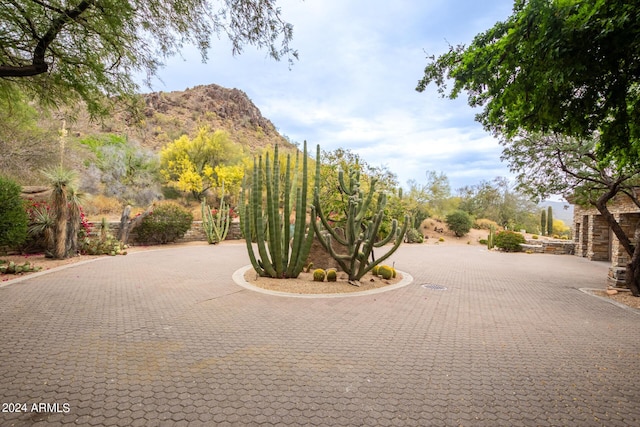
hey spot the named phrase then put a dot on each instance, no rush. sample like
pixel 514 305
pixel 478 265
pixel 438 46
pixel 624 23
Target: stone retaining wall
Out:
pixel 194 234
pixel 555 247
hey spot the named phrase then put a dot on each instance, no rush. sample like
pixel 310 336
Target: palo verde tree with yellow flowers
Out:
pixel 193 165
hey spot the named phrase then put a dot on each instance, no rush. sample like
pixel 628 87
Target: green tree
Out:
pixel 547 165
pixel 24 144
pixel 564 67
pixel 65 50
pixel 122 169
pixel 498 201
pixel 13 217
pixel 459 222
pixel 336 203
pixel 195 165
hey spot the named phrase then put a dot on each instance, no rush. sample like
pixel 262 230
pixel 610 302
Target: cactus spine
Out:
pixel 269 218
pixel 216 228
pixel 360 232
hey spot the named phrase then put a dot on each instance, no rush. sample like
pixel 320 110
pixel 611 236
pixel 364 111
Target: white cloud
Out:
pixel 354 86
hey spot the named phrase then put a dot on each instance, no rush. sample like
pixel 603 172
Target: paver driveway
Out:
pixel 166 338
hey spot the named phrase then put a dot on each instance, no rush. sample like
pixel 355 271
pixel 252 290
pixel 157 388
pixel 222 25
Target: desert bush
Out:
pixel 459 222
pixel 13 217
pixel 509 241
pixel 102 205
pixel 413 236
pixel 168 222
pixel 485 224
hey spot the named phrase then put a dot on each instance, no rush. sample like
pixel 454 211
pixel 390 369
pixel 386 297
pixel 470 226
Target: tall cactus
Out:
pixel 268 217
pixel 216 227
pixel 360 232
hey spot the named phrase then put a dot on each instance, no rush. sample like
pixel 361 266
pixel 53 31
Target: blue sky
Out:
pixel 354 84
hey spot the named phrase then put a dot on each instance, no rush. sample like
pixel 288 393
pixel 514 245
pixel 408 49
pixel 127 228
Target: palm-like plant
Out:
pixel 42 223
pixel 62 182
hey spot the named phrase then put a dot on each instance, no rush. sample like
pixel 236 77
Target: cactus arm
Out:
pixel 396 243
pixel 259 222
pixel 277 250
pixel 365 206
pixel 272 214
pixel 300 221
pixel 325 223
pixel 325 241
pixel 304 253
pixel 341 183
pixel 247 233
pixel 245 225
pixel 286 211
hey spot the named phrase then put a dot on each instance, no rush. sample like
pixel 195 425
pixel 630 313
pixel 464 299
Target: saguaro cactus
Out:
pixel 360 232
pixel 269 218
pixel 216 226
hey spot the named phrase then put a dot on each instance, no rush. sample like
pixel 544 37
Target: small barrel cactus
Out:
pixel 385 271
pixel 332 275
pixel 374 270
pixel 318 275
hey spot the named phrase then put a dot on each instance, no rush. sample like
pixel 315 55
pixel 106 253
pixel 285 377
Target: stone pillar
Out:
pixel 598 244
pixel 619 256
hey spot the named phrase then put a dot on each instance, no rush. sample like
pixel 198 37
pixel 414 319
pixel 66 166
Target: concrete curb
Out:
pixel 238 278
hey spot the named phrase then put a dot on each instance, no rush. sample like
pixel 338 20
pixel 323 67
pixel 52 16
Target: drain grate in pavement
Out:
pixel 434 287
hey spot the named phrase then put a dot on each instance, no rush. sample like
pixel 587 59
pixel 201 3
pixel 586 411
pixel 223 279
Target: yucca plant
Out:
pixel 62 181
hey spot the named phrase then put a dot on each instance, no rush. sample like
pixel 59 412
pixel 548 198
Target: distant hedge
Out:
pixel 13 216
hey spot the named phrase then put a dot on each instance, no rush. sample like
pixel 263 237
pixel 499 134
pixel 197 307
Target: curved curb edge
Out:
pixel 238 278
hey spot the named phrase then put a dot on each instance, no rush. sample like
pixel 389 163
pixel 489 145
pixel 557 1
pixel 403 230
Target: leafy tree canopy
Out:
pixel 554 66
pixel 65 50
pixel 195 165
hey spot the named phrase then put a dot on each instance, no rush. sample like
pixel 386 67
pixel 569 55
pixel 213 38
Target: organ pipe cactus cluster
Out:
pixel 216 226
pixel 282 250
pixel 361 232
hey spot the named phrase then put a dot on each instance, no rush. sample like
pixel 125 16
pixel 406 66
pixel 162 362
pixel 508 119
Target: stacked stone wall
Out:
pixel 194 234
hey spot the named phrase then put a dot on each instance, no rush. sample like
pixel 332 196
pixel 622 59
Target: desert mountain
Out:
pixel 161 117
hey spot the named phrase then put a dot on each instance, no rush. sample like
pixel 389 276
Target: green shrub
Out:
pixel 485 224
pixel 13 217
pixel 413 236
pixel 459 222
pixel 509 241
pixel 483 241
pixel 168 222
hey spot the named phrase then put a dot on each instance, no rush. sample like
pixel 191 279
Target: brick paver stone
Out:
pixel 164 338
